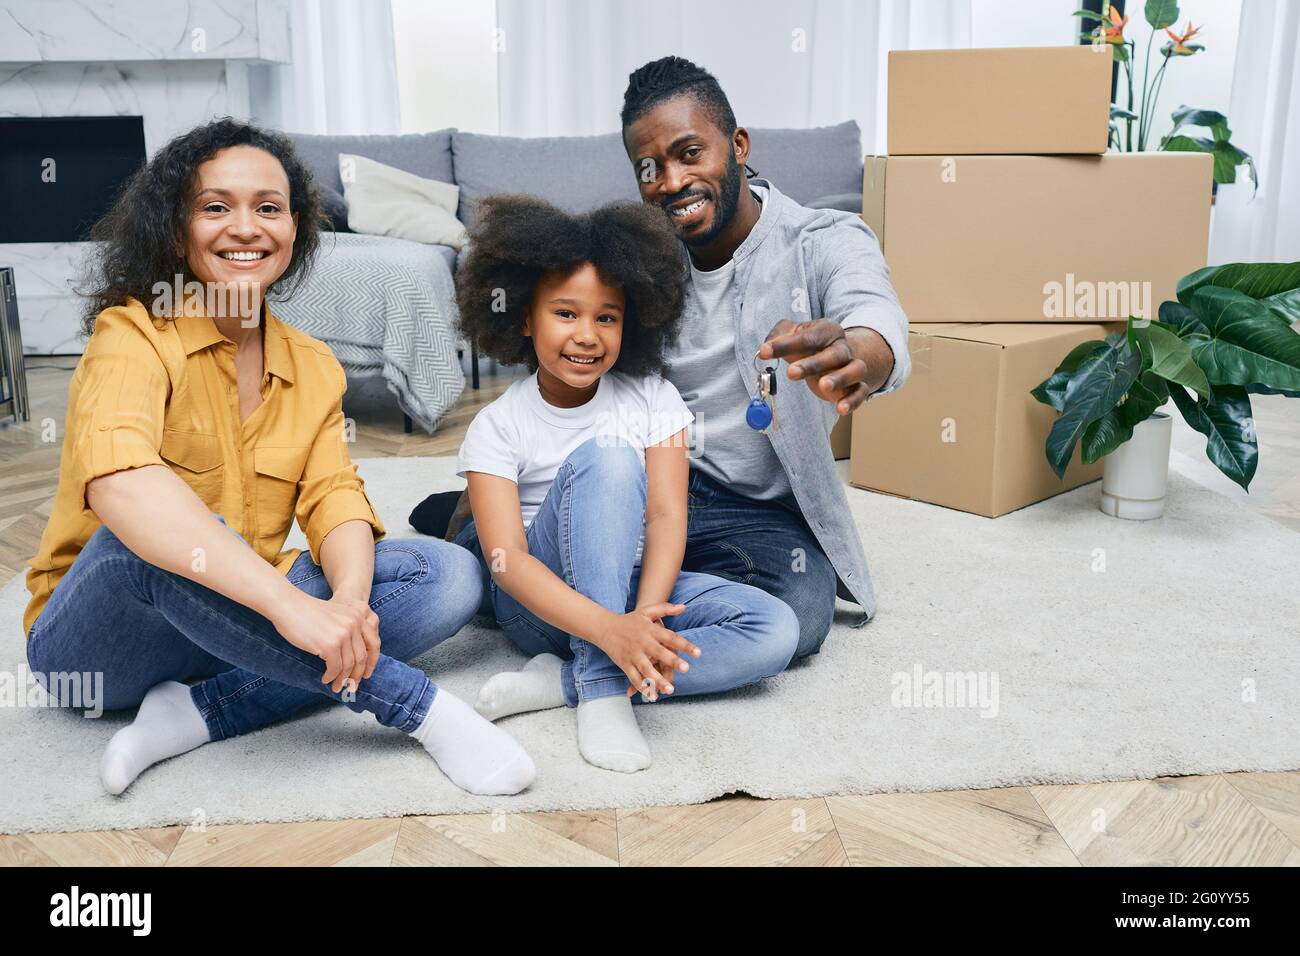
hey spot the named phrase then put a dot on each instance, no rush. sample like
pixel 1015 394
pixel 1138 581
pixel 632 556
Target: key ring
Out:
pixel 761 412
pixel 770 371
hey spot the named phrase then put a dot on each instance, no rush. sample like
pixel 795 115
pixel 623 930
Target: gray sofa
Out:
pixel 821 166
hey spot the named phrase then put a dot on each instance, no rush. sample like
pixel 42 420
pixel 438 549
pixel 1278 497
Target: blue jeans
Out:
pixel 116 614
pixel 586 532
pixel 768 545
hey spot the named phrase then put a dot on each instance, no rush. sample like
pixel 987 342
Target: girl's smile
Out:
pixel 576 324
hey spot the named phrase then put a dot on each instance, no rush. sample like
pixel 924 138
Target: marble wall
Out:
pixel 174 64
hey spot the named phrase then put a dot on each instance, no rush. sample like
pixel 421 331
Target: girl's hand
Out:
pixel 343 633
pixel 645 650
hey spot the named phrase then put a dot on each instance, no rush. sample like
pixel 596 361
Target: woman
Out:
pixel 198 427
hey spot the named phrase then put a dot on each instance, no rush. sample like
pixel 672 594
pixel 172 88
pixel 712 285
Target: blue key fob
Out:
pixel 758 415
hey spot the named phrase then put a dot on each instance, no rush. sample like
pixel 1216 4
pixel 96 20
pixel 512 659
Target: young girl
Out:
pixel 578 474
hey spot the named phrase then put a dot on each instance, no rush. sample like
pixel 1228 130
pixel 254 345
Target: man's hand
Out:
pixel 839 366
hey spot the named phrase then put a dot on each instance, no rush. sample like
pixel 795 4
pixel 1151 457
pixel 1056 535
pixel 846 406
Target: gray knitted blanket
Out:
pixel 385 307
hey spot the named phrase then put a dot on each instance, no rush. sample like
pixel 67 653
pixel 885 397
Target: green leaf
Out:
pixel 1052 390
pixel 1226 160
pixel 1114 428
pixel 1161 13
pixel 1259 280
pixel 1254 173
pixel 1265 390
pixel 1171 358
pixel 1145 396
pixel 1228 425
pixel 1103 436
pixel 1246 344
pixel 1121 52
pixel 1285 305
pixel 1117 112
pixel 1183 319
pixel 1215 122
pixel 1089 15
pixel 1095 389
pixel 1187 144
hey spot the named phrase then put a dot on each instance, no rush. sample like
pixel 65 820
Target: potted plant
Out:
pixel 1229 334
pixel 1141 109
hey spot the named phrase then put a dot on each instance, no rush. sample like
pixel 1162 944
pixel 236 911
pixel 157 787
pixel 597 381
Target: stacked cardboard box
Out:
pixel 1011 236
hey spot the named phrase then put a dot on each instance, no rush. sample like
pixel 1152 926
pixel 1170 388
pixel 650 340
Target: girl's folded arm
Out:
pixel 667 472
pixel 495 503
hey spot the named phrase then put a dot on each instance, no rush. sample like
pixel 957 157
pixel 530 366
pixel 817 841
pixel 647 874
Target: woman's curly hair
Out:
pixel 137 238
pixel 520 239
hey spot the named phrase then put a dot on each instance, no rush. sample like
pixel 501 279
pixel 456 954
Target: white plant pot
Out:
pixel 1135 476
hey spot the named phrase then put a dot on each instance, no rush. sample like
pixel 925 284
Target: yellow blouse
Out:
pixel 163 391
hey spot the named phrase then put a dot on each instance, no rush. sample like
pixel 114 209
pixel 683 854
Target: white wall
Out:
pixel 1203 80
pixel 1036 23
pixel 448 67
pixel 446 64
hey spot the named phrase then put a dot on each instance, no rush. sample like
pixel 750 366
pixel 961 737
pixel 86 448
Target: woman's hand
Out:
pixel 645 650
pixel 343 632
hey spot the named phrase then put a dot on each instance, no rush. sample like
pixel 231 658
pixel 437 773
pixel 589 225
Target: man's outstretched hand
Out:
pixel 840 366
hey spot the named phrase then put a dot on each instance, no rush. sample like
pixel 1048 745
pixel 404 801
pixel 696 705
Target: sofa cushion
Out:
pixel 386 201
pixel 580 172
pixel 424 154
pixel 576 173
pixel 335 208
pixel 808 163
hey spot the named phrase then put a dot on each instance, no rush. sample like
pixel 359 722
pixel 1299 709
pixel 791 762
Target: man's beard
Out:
pixel 725 206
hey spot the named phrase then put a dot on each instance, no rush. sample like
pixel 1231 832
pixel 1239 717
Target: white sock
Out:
pixel 536 687
pixel 608 735
pixel 167 724
pixel 477 756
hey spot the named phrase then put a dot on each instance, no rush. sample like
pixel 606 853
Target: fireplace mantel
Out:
pixel 122 31
pixel 176 65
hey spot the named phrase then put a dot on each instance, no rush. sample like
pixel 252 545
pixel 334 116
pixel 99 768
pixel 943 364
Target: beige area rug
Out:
pixel 1091 649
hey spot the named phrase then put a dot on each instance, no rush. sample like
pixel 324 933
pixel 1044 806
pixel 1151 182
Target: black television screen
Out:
pixel 58 174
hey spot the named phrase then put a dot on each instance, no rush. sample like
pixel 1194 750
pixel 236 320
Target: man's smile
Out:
pixel 688 211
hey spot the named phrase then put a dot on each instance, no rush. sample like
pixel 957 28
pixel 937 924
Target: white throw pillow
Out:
pixel 384 201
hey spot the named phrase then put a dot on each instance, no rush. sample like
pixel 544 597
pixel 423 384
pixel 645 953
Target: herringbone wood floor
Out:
pixel 1224 819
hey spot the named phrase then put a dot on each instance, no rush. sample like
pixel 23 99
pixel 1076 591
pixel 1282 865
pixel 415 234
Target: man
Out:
pixel 769 280
pixel 808 286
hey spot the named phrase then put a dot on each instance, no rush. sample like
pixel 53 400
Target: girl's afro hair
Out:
pixel 519 239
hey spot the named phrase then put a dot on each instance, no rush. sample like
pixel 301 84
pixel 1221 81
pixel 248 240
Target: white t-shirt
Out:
pixel 525 439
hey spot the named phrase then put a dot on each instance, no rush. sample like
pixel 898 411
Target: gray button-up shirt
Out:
pixel 803 264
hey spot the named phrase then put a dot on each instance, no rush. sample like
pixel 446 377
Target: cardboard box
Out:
pixel 1038 238
pixel 841 437
pixel 964 431
pixel 1029 100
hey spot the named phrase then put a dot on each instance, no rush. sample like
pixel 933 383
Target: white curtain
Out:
pixel 563 64
pixel 343 74
pixel 1265 120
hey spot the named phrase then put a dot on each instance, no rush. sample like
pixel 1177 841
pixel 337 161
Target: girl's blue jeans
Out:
pixel 138 625
pixel 586 532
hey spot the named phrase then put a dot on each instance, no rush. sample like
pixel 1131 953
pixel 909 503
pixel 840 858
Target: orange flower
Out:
pixel 1179 46
pixel 1115 32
